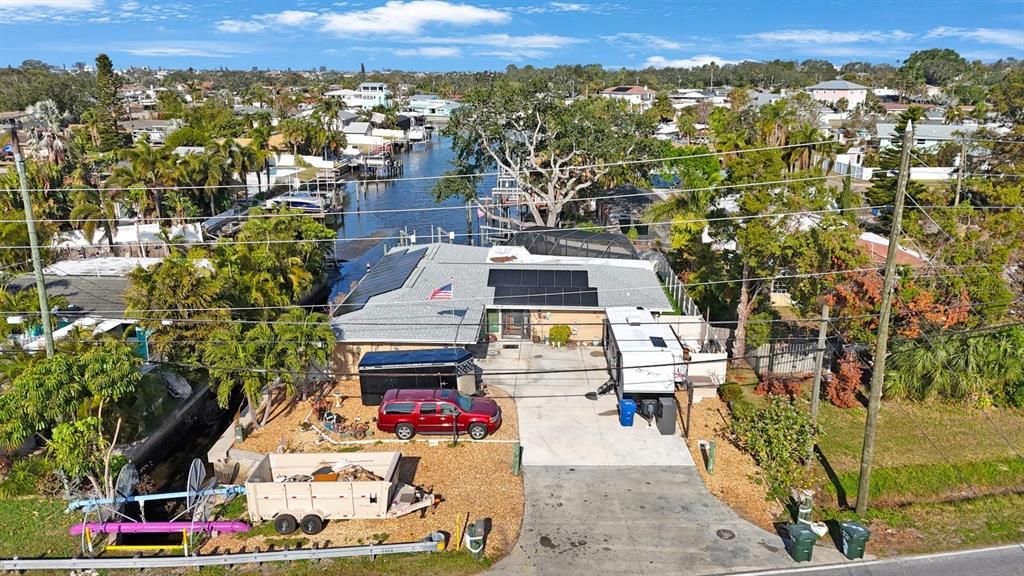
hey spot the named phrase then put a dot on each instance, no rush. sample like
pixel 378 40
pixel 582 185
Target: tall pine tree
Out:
pixel 109 108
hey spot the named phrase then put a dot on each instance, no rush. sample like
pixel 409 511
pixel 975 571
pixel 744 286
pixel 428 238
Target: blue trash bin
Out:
pixel 627 410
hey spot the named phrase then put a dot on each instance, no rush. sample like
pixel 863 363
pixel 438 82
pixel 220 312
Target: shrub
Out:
pixel 560 334
pixel 788 386
pixel 742 409
pixel 778 437
pixel 842 390
pixel 730 392
pixel 29 476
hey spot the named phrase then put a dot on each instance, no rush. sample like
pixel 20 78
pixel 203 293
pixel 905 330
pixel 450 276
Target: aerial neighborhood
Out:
pixel 698 316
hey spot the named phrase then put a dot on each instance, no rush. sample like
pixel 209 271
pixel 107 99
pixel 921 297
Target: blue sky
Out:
pixel 475 35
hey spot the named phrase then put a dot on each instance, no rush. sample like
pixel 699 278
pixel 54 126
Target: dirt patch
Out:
pixel 734 481
pixel 473 479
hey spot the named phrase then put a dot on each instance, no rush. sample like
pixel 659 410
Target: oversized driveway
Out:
pixel 604 499
pixel 615 520
pixel 560 426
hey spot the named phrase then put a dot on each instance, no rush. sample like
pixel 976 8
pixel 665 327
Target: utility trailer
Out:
pixel 430 369
pixel 646 362
pixel 301 490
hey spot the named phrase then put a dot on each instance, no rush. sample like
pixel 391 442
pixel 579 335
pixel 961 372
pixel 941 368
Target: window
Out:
pixel 464 402
pixel 428 408
pixel 448 410
pixel 399 408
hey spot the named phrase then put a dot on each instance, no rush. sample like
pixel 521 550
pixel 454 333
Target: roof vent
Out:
pixel 634 320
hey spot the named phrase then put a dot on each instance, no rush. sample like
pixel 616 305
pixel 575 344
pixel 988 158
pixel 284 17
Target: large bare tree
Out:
pixel 555 149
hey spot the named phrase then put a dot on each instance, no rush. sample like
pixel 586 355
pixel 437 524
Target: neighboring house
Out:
pixel 637 98
pixel 94 291
pixel 128 238
pixel 686 97
pixel 759 98
pixel 499 293
pixel 157 130
pixel 832 91
pixel 431 105
pixel 357 128
pixel 367 95
pixel 925 135
pixel 877 247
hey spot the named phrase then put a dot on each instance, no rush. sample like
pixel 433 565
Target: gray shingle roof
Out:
pixel 837 85
pixel 90 294
pixel 405 315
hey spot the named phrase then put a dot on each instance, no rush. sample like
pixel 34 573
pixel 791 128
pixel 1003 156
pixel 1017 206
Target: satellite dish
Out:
pixel 196 475
pixel 124 486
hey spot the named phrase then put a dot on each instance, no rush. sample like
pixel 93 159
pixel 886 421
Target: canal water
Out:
pixel 385 209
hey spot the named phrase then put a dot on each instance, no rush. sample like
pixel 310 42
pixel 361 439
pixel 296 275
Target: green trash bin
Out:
pixel 802 540
pixel 855 538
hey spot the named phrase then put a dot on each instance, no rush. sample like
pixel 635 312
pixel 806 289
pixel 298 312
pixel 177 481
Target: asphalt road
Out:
pixel 1000 561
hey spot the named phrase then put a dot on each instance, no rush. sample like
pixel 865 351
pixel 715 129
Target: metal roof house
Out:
pixel 497 293
pixel 576 243
pixel 832 91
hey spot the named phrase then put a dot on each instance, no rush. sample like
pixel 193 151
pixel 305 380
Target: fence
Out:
pixel 669 279
pixel 786 357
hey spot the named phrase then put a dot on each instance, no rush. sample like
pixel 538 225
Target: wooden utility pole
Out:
pixel 819 366
pixel 33 238
pixel 881 349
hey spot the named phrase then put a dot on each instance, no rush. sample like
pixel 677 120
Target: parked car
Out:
pixel 407 412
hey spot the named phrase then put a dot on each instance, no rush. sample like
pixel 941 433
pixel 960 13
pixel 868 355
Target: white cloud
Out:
pixel 196 49
pixel 640 40
pixel 398 17
pixel 569 7
pixel 1001 36
pixel 263 22
pixel 55 4
pixel 240 26
pixel 430 52
pixel 821 36
pixel 692 62
pixel 506 46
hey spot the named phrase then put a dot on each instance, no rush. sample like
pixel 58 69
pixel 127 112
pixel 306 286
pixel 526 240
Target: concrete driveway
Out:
pixel 648 520
pixel 559 426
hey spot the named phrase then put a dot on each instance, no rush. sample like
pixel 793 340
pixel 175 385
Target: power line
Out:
pixel 271 214
pixel 526 171
pixel 420 302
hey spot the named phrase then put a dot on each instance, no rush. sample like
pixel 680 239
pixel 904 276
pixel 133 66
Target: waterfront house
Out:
pixel 503 293
pixel 432 106
pixel 366 96
pixel 832 91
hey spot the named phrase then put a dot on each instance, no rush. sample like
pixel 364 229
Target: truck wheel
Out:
pixel 285 524
pixel 311 524
pixel 477 431
pixel 405 431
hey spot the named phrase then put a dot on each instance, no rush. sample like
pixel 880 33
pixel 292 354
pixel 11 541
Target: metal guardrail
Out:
pixel 433 543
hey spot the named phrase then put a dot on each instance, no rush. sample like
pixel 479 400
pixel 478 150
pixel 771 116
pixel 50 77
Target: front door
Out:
pixel 515 323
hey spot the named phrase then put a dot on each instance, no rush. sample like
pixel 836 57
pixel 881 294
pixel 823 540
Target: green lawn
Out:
pixel 928 433
pixel 937 482
pixel 34 527
pixel 934 527
pixel 443 564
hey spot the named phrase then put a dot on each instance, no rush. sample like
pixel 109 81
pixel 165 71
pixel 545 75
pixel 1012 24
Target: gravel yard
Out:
pixel 471 478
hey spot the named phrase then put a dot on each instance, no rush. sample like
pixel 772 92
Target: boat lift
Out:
pixel 109 517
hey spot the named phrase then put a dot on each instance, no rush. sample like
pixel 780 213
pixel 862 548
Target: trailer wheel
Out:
pixel 477 431
pixel 285 524
pixel 405 431
pixel 311 524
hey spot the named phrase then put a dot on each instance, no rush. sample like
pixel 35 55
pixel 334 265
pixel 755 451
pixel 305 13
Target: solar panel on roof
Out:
pixel 389 274
pixel 545 296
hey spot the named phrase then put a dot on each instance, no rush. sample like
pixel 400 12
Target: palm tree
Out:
pixel 774 122
pixel 294 132
pixel 93 207
pixel 980 112
pixel 147 167
pixel 250 160
pixel 730 142
pixel 306 340
pixel 800 158
pixel 954 115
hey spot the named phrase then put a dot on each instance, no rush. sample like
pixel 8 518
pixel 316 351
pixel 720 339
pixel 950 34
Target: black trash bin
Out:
pixel 802 539
pixel 855 538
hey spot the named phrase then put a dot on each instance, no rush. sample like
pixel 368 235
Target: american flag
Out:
pixel 442 293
